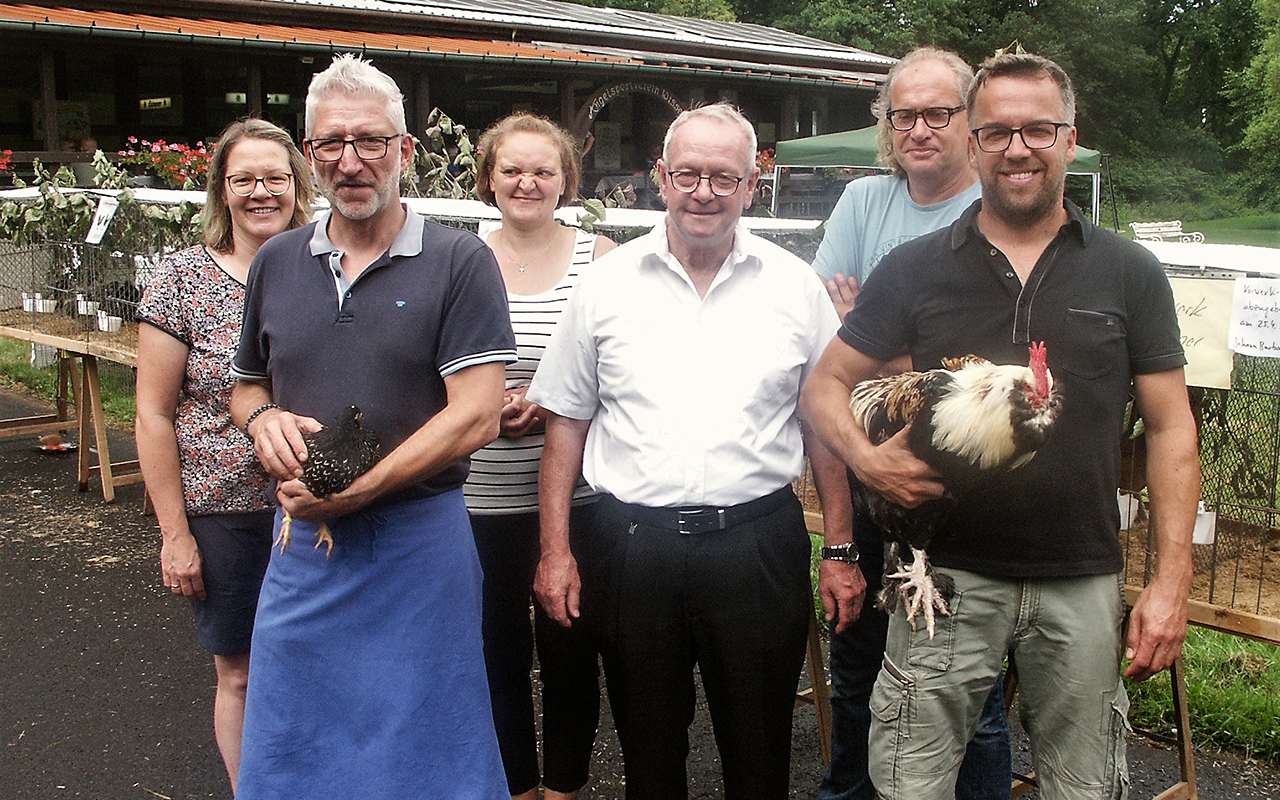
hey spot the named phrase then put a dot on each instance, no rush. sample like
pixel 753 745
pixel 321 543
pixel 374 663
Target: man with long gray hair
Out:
pixel 923 135
pixel 1033 552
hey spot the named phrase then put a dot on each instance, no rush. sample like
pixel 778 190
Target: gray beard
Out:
pixel 383 197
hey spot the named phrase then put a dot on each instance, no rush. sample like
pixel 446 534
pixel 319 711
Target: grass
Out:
pixel 1233 692
pixel 16 370
pixel 1259 230
pixel 116 381
pixel 1262 230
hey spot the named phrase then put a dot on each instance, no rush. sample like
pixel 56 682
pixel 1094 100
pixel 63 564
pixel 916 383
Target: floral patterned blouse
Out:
pixel 193 300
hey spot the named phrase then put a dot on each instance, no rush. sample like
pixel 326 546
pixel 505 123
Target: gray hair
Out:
pixel 350 74
pixel 881 106
pixel 722 112
pixel 1025 65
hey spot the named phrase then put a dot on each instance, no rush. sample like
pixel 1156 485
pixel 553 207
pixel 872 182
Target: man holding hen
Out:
pixel 1034 554
pixel 922 134
pixel 673 381
pixel 367 667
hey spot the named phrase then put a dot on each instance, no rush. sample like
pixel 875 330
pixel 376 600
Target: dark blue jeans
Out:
pixel 855 661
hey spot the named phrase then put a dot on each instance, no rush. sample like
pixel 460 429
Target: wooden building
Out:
pixel 180 70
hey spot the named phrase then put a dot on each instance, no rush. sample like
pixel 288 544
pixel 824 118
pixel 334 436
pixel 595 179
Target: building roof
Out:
pixel 529 32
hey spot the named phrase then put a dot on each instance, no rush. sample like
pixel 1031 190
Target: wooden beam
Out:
pixel 1226 620
pixel 421 103
pixel 567 109
pixel 49 101
pixel 255 89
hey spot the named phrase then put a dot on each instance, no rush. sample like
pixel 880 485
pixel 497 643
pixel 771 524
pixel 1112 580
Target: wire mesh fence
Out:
pixel 1236 549
pixel 75 292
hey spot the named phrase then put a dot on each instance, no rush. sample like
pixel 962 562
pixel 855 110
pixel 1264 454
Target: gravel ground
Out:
pixel 105 695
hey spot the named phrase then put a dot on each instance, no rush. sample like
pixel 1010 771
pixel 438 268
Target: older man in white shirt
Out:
pixel 672 383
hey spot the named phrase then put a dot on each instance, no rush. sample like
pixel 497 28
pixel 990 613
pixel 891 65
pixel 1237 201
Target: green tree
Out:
pixel 1199 44
pixel 879 27
pixel 1257 88
pixel 700 9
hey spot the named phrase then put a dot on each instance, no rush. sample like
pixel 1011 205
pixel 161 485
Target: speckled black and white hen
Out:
pixel 336 455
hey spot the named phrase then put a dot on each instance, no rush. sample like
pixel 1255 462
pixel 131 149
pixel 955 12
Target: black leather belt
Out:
pixel 703 519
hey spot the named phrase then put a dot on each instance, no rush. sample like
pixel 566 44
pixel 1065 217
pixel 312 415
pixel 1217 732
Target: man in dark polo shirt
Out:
pixel 1034 554
pixel 368 670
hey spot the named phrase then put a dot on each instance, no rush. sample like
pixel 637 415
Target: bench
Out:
pixel 1159 231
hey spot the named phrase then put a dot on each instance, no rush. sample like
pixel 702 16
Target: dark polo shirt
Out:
pixel 433 304
pixel 1104 309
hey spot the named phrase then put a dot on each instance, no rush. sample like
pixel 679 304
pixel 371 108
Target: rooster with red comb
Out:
pixel 967 421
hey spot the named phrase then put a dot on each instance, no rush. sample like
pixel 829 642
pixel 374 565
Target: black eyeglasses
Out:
pixel 687 181
pixel 367 148
pixel 1037 136
pixel 904 119
pixel 244 185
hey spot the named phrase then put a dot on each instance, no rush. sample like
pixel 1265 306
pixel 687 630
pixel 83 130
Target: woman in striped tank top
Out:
pixel 529 167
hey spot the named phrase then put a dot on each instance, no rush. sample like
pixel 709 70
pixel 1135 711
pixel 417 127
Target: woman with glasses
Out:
pixel 211 497
pixel 529 167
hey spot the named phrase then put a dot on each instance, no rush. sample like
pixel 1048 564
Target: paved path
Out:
pixel 105 695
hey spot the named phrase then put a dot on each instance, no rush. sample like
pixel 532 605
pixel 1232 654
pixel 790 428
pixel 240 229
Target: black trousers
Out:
pixel 733 602
pixel 567 659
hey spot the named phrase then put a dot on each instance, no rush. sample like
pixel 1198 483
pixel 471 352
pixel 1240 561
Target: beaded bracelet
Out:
pixel 254 415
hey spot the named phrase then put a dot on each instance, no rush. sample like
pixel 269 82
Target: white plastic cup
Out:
pixel 1128 509
pixel 1206 526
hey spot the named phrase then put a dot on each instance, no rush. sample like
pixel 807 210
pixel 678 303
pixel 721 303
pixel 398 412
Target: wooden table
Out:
pixel 84 347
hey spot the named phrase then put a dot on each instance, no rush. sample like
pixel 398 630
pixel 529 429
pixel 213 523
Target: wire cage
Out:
pixel 73 291
pixel 1236 548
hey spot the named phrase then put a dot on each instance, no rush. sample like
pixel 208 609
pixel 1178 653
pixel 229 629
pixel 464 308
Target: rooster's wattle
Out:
pixel 968 421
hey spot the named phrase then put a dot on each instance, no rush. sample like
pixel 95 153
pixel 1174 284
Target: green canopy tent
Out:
pixel 858 149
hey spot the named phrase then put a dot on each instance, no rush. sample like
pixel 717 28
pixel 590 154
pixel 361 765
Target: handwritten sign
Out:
pixel 1255 317
pixel 1203 310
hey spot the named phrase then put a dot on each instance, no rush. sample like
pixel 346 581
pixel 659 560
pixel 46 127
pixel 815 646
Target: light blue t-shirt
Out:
pixel 876 214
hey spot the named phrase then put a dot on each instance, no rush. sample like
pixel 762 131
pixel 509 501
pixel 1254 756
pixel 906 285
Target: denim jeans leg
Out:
pixel 987 770
pixel 855 661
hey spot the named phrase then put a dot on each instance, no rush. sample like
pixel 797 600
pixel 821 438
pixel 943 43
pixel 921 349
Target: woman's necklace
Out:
pixel 519 266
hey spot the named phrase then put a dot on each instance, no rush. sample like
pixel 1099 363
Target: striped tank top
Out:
pixel 504 474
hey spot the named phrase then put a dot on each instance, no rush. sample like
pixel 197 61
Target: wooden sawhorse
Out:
pixel 79 406
pixel 88 394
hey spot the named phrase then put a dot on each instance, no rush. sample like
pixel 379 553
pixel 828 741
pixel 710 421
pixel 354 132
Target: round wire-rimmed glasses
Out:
pixel 276 184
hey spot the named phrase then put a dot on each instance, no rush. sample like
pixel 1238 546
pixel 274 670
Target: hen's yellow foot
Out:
pixel 285 535
pixel 323 537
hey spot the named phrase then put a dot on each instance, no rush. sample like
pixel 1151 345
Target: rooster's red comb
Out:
pixel 1039 364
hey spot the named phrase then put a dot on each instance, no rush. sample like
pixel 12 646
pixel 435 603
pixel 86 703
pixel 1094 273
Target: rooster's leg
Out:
pixel 323 537
pixel 285 535
pixel 887 599
pixel 919 593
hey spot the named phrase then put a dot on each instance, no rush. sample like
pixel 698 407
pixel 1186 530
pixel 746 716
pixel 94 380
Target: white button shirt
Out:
pixel 693 401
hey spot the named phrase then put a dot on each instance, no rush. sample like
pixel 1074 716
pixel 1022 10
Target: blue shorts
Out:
pixel 234 551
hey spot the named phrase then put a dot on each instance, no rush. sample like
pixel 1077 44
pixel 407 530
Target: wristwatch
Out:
pixel 848 553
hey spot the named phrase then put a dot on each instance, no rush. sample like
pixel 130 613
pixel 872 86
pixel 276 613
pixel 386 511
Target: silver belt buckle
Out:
pixel 692 518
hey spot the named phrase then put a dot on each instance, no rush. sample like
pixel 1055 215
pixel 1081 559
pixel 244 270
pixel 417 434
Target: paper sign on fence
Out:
pixel 101 219
pixel 1203 306
pixel 1255 317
